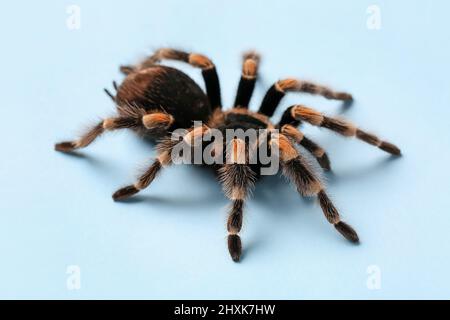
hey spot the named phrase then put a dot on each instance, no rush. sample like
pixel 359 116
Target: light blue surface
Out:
pixel 56 210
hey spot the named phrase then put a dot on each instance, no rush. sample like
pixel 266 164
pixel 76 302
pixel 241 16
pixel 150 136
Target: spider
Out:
pixel 154 100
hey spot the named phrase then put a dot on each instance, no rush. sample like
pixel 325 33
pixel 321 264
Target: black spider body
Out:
pixel 242 121
pixel 155 100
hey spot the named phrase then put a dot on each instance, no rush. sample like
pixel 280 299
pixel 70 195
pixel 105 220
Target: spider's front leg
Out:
pixel 237 179
pixel 248 79
pixel 165 158
pixel 146 178
pixel 279 89
pixel 296 169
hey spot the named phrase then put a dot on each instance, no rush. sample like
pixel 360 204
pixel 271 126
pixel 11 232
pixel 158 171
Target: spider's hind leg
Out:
pixel 95 131
pixel 132 118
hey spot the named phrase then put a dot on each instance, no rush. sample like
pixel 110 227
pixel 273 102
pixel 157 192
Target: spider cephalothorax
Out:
pixel 156 100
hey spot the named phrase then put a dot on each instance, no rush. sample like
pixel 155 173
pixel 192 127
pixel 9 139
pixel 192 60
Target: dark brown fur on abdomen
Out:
pixel 167 89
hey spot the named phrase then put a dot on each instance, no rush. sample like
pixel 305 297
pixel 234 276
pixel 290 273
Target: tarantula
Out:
pixel 154 100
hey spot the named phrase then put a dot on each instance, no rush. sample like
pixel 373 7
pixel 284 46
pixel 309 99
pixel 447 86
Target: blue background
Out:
pixel 170 242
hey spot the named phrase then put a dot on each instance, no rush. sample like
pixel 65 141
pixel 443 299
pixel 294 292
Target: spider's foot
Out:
pixel 66 146
pixel 324 162
pixel 390 148
pixel 234 247
pixel 344 96
pixel 347 231
pixel 124 193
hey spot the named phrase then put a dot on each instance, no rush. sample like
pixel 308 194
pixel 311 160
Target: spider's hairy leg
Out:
pixel 317 151
pixel 133 120
pixel 95 131
pixel 237 180
pixel 234 225
pixel 208 68
pixel 143 182
pixel 157 121
pixel 297 170
pixel 343 127
pixel 280 88
pixel 248 78
pixel 164 159
pixel 333 217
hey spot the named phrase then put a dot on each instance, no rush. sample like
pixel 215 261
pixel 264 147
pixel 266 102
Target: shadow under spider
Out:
pixel 86 157
pixel 345 106
pixel 274 193
pixel 360 172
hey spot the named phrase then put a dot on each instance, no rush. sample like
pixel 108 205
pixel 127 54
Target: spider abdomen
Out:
pixel 166 89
